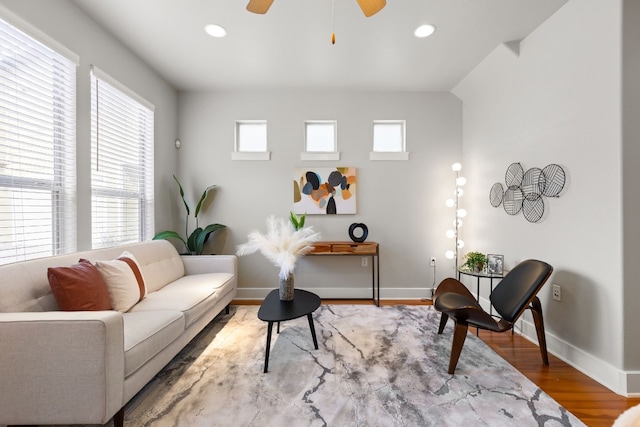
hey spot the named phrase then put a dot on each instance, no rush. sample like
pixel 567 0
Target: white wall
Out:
pixel 402 202
pixel 62 21
pixel 559 101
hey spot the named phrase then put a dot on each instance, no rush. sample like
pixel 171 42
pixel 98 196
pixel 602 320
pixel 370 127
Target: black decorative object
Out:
pixel 533 207
pixel 525 190
pixel 362 227
pixel 555 178
pixel 496 194
pixel 513 200
pixel 514 175
pixel 533 183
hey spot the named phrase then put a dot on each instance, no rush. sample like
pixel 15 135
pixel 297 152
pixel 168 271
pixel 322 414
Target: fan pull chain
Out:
pixel 333 22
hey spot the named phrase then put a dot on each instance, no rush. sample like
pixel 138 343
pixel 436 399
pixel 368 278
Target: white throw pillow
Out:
pixel 124 284
pixel 137 271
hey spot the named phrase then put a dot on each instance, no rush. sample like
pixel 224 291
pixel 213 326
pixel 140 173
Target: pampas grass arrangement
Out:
pixel 282 244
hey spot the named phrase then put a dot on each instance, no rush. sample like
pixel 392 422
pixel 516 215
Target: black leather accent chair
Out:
pixel 515 293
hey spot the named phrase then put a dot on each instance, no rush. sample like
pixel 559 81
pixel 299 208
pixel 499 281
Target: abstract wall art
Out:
pixel 525 190
pixel 324 190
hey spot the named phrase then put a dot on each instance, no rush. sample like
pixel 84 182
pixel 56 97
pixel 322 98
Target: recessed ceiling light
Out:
pixel 425 30
pixel 215 30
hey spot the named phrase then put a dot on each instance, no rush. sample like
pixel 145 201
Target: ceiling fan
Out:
pixel 369 7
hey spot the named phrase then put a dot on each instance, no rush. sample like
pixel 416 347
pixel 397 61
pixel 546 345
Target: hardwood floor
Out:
pixel 593 403
pixel 587 399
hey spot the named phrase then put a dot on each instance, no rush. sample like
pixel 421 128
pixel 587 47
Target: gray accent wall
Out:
pixel 401 202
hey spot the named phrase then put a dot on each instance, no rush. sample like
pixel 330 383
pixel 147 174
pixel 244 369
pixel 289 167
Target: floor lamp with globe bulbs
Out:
pixel 454 202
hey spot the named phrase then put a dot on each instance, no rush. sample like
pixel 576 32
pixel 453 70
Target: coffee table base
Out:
pixel 269 333
pixel 273 310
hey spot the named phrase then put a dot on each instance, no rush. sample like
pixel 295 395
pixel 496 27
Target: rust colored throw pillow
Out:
pixel 79 287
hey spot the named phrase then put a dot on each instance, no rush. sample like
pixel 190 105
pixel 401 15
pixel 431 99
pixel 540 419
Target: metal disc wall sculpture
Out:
pixel 525 190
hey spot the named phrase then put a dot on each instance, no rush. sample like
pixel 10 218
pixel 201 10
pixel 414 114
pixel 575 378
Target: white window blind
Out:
pixel 121 165
pixel 37 149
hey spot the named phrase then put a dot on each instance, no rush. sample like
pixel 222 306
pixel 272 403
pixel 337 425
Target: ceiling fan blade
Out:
pixel 371 7
pixel 259 6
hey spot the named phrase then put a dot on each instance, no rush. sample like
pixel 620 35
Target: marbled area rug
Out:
pixel 375 366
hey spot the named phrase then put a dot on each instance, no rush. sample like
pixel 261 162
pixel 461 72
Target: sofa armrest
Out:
pixel 61 367
pixel 202 264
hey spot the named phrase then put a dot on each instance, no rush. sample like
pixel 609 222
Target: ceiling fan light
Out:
pixel 215 30
pixel 371 7
pixel 425 30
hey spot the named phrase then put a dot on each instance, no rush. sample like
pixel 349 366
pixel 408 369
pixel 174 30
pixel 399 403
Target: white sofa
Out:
pixel 82 367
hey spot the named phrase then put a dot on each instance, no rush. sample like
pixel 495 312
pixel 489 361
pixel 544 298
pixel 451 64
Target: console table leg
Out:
pixel 378 276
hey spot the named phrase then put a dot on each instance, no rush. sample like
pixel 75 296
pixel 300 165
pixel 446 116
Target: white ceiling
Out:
pixel 291 46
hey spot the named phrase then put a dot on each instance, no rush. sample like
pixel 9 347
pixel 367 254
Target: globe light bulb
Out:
pixel 450 234
pixel 450 254
pixel 460 192
pixel 450 203
pixel 457 223
pixel 461 180
pixel 456 167
pixel 460 244
pixel 461 213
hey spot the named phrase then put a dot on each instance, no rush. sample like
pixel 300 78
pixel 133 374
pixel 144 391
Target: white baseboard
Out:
pixel 246 293
pixel 623 383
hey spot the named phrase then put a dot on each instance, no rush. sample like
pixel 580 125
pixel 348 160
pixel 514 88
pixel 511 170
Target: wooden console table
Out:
pixel 354 249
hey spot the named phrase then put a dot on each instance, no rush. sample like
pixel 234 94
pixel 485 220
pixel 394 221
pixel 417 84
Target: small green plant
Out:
pixel 195 241
pixel 297 221
pixel 475 259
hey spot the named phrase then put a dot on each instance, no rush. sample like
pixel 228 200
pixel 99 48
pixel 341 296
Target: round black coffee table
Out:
pixel 273 310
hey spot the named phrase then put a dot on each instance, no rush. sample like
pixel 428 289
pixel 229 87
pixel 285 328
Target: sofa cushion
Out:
pixel 193 295
pixel 121 283
pixel 79 287
pixel 146 333
pixel 159 262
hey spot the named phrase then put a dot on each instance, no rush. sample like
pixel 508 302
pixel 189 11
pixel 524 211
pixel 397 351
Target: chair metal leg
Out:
pixel 443 322
pixel 536 310
pixel 459 335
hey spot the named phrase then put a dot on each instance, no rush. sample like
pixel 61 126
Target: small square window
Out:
pixel 388 137
pixel 251 140
pixel 320 137
pixel 251 136
pixel 320 140
pixel 389 140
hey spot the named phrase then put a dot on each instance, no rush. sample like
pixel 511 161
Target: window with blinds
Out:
pixel 121 164
pixel 37 148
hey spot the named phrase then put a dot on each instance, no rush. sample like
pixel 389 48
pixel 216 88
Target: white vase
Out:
pixel 286 288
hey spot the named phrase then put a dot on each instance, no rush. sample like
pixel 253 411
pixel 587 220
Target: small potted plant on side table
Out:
pixel 475 261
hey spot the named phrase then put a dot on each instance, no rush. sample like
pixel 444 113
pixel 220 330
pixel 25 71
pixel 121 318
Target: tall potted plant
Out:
pixel 195 241
pixel 283 243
